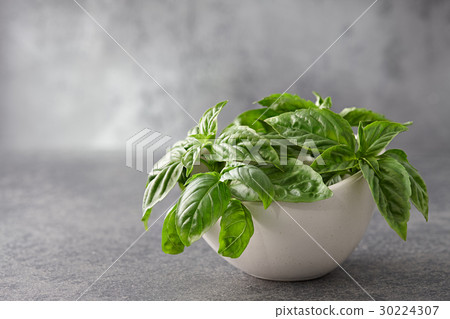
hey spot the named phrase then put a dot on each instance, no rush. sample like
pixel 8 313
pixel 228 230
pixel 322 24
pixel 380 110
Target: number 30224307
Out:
pixel 408 310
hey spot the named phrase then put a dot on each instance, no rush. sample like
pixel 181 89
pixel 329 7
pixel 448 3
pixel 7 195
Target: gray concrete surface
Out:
pixel 66 217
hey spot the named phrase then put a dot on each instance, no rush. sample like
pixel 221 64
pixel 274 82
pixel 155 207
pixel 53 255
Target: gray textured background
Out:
pixel 66 85
pixel 69 99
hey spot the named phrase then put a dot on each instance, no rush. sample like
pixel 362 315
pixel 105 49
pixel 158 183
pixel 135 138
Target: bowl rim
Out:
pixel 347 181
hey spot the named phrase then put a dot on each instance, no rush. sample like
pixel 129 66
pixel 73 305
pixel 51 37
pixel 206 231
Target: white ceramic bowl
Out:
pixel 281 250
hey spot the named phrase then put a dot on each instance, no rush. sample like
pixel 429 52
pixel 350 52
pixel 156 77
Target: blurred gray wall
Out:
pixel 66 85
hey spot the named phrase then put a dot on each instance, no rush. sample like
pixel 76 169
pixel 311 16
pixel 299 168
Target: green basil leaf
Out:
pixel 419 194
pixel 360 137
pixel 190 141
pixel 259 148
pixel 255 119
pixel 231 165
pixel 192 155
pixel 254 178
pixel 321 126
pixel 373 164
pixel 173 156
pixel 355 115
pixel 201 204
pixel 243 192
pixel 170 241
pixel 236 229
pixel 321 102
pixel 225 152
pixel 193 146
pixel 286 102
pixel 391 191
pixel 334 177
pixel 335 158
pixel 285 148
pixel 207 126
pixel 191 158
pixel 377 135
pixel 162 179
pixel 297 182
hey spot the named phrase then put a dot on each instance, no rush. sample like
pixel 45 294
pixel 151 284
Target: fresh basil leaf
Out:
pixel 335 158
pixel 376 136
pixel 327 102
pixel 193 145
pixel 419 194
pixel 183 178
pixel 191 158
pixel 373 164
pixel 255 119
pixel 321 126
pixel 192 141
pixel 334 177
pixel 319 99
pixel 296 182
pixel 254 178
pixel 201 204
pixel 391 191
pixel 179 144
pixel 286 148
pixel 355 115
pixel 236 229
pixel 258 148
pixel 224 152
pixel 162 179
pixel 189 142
pixel 231 165
pixel 243 192
pixel 192 155
pixel 174 155
pixel 321 102
pixel 170 241
pixel 207 126
pixel 286 102
pixel 360 137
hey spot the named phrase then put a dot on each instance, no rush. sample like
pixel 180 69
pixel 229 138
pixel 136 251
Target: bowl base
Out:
pixel 286 279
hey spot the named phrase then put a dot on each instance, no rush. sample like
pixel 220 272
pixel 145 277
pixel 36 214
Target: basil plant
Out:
pixel 288 150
